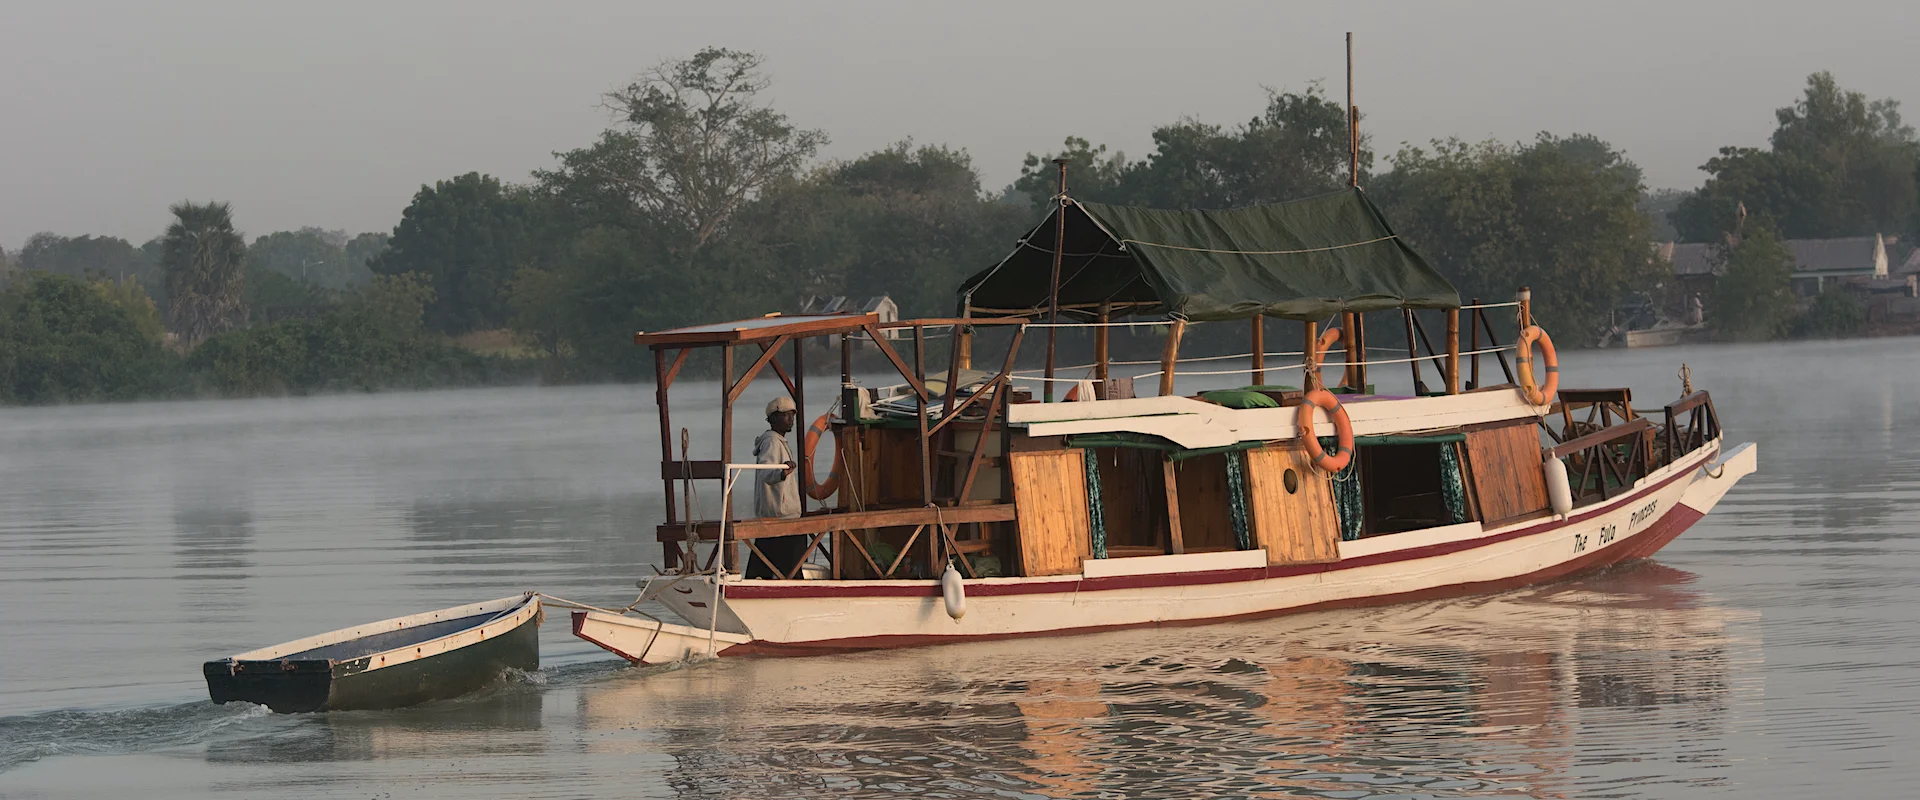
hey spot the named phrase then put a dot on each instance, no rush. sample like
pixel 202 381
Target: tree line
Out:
pixel 702 201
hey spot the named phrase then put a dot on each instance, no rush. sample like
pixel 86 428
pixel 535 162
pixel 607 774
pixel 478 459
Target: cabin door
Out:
pixel 1050 498
pixel 1293 513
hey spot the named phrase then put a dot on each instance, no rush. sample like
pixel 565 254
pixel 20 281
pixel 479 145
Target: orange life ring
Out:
pixel 1324 346
pixel 1543 395
pixel 1342 430
pixel 825 489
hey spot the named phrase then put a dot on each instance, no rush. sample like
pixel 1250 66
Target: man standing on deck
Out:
pixel 777 492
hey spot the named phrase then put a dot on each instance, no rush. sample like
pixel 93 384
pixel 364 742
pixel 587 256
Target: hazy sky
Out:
pixel 334 113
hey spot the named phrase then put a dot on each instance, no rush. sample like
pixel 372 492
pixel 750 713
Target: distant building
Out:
pixel 1817 263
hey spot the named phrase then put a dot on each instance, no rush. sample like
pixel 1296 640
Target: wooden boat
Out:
pixel 983 514
pixel 388 664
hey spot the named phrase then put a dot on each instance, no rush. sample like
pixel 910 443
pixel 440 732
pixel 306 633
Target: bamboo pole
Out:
pixel 669 551
pixel 1353 123
pixel 1350 335
pixel 1453 351
pixel 1053 286
pixel 804 461
pixel 1259 373
pixel 1473 335
pixel 1100 362
pixel 726 447
pixel 1171 356
pixel 963 341
pixel 1413 351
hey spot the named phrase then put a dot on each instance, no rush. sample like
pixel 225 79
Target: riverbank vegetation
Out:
pixel 703 201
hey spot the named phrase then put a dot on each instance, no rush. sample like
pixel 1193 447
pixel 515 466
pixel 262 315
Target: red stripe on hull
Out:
pixel 745 591
pixel 1648 542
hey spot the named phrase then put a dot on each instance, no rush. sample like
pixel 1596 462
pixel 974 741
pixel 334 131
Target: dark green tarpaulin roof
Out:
pixel 1304 260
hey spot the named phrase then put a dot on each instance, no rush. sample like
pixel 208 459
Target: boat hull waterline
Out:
pixel 806 617
pixel 393 663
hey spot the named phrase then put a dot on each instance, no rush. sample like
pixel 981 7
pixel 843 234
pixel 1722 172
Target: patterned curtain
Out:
pixel 1452 487
pixel 1096 510
pixel 1346 494
pixel 1237 499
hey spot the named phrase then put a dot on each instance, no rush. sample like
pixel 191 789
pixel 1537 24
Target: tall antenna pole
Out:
pixel 1353 123
pixel 1053 290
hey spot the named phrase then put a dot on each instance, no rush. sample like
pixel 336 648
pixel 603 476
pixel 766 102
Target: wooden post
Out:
pixel 669 551
pixel 726 436
pixel 1453 351
pixel 1473 335
pixel 1053 287
pixel 1171 356
pixel 1353 123
pixel 1413 350
pixel 1360 347
pixel 803 459
pixel 1310 371
pixel 963 340
pixel 1350 324
pixel 1259 373
pixel 1177 542
pixel 926 450
pixel 1100 365
pixel 1522 346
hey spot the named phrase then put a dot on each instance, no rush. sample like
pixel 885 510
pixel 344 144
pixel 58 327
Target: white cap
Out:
pixel 780 404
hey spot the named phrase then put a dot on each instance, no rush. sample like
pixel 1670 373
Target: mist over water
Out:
pixel 1766 653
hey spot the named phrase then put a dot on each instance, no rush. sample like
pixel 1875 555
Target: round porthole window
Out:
pixel 1291 480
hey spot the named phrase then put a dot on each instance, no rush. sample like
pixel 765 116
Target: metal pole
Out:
pixel 1353 123
pixel 1053 287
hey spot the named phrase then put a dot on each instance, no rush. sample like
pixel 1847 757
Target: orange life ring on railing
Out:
pixel 1342 430
pixel 822 490
pixel 1324 346
pixel 1543 395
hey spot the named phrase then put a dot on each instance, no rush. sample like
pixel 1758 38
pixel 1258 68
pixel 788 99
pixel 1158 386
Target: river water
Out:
pixel 1768 653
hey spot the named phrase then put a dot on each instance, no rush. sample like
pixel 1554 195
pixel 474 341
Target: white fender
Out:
pixel 1559 492
pixel 953 592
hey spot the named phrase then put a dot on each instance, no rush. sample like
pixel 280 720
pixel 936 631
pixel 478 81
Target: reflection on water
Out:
pixel 1767 653
pixel 1577 687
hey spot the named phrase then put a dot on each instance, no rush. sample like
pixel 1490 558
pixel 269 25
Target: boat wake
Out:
pixel 28 738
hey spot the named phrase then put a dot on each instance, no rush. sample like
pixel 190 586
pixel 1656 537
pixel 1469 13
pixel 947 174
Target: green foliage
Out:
pixel 693 146
pixel 1559 215
pixel 131 298
pixel 1831 315
pixel 1753 300
pixel 1296 148
pixel 1839 165
pixel 62 340
pixel 204 260
pixel 313 256
pixel 467 236
pixel 373 340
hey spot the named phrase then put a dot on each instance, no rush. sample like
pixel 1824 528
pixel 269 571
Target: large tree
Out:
pixel 62 340
pixel 1559 215
pixel 1297 147
pixel 311 255
pixel 1838 165
pixel 467 236
pixel 204 260
pixel 86 256
pixel 1753 299
pixel 694 142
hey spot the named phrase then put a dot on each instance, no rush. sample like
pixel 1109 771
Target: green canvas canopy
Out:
pixel 1302 260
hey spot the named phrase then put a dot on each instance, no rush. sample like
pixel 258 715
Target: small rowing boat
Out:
pixel 388 664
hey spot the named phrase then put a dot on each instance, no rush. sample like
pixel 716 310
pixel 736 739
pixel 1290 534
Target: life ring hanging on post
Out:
pixel 823 489
pixel 1342 429
pixel 1324 346
pixel 1542 395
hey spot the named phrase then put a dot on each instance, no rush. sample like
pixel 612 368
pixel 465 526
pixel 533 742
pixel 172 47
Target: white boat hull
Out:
pixel 797 617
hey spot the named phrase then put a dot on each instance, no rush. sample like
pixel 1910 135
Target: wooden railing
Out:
pixel 1691 423
pixel 833 528
pixel 1606 462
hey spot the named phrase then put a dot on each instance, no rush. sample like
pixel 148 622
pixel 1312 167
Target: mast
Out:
pixel 1053 286
pixel 1353 123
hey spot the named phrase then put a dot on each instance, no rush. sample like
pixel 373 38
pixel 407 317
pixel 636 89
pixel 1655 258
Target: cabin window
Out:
pixel 1132 498
pixel 1400 484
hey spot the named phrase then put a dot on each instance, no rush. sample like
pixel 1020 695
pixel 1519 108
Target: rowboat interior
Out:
pixel 1000 494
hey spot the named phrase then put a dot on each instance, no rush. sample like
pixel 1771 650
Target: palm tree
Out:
pixel 203 258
